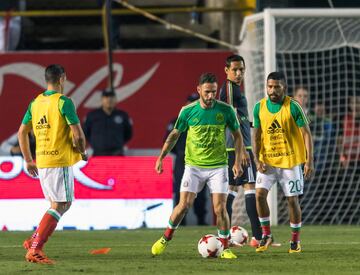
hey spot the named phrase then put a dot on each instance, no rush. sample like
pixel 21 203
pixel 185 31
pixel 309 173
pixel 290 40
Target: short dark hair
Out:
pixel 207 78
pixel 277 76
pixel 53 73
pixel 234 58
pixel 108 92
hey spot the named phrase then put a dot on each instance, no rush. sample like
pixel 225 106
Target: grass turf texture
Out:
pixel 326 250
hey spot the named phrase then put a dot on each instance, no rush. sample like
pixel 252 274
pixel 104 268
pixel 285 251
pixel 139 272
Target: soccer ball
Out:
pixel 210 246
pixel 239 235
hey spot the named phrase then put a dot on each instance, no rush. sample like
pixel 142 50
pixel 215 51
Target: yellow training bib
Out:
pixel 54 147
pixel 282 143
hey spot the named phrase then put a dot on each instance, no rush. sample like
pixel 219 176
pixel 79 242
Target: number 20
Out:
pixel 295 186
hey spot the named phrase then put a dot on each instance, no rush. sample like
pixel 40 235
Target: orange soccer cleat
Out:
pixel 38 257
pixel 27 243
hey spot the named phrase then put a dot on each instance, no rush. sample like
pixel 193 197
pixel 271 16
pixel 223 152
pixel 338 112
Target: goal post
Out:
pixel 318 49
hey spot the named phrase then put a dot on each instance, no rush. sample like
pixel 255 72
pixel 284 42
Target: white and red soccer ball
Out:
pixel 239 235
pixel 210 246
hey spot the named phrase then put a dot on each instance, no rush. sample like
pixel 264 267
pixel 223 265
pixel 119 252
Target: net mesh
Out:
pixel 322 55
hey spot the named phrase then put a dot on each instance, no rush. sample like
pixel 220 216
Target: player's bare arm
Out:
pixel 239 153
pixel 23 136
pixel 309 164
pixel 79 140
pixel 260 166
pixel 167 147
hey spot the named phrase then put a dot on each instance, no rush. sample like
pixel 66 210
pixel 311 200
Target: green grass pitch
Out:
pixel 326 250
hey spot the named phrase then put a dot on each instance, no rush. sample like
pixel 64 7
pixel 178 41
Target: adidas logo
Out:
pixel 275 128
pixel 42 124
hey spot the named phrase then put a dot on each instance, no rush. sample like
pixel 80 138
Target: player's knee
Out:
pixel 62 207
pixel 293 201
pixel 249 186
pixel 67 206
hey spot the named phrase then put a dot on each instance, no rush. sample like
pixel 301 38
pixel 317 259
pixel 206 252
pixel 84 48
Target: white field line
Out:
pixel 177 244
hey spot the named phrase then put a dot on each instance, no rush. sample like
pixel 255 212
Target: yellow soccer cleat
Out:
pixel 159 246
pixel 295 247
pixel 265 242
pixel 227 254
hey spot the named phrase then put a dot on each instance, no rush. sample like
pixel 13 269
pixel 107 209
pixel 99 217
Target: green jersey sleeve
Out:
pixel 298 114
pixel 233 122
pixel 67 109
pixel 256 121
pixel 28 117
pixel 181 122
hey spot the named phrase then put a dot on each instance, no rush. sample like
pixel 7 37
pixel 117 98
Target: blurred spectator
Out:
pixel 179 152
pixel 10 26
pixel 10 146
pixel 301 95
pixel 108 129
pixel 323 133
pixel 350 136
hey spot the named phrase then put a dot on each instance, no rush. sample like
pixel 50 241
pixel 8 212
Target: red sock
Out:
pixel 225 242
pixel 295 236
pixel 46 228
pixel 169 232
pixel 265 225
pixel 33 236
pixel 266 230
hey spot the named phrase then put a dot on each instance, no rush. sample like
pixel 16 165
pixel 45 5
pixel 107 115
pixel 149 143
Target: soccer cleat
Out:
pixel 159 246
pixel 264 243
pixel 27 243
pixel 254 242
pixel 227 254
pixel 38 257
pixel 295 247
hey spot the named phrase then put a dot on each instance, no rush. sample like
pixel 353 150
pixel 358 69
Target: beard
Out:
pixel 275 98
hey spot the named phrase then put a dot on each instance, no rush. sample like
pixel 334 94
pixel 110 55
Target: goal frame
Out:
pixel 269 18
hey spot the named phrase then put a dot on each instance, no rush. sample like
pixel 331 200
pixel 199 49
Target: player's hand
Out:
pixel 308 169
pixel 245 158
pixel 260 166
pixel 32 169
pixel 237 171
pixel 158 166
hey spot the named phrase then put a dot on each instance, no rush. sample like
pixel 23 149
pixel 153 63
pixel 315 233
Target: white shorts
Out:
pixel 57 183
pixel 195 178
pixel 291 180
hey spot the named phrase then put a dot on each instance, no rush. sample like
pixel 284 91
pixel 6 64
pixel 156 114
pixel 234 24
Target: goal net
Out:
pixel 319 50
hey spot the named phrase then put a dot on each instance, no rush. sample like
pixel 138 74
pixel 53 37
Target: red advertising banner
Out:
pixel 99 178
pixel 150 86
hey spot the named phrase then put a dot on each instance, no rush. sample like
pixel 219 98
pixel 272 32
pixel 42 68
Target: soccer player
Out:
pixel 60 143
pixel 282 143
pixel 205 121
pixel 232 94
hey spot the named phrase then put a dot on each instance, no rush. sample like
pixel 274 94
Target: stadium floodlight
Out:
pixel 318 49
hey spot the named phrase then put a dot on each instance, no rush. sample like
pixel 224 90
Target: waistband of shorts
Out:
pixel 206 168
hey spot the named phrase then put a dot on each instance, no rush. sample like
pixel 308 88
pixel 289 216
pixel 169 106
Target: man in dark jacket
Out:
pixel 108 129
